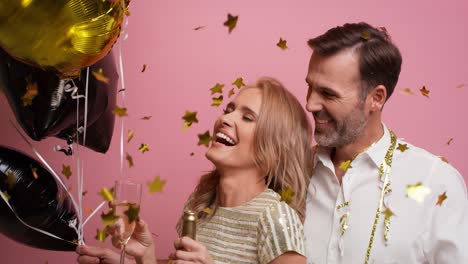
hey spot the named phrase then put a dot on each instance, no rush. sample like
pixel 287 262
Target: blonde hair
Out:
pixel 282 151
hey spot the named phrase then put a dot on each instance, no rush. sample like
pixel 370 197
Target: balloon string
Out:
pixel 49 168
pixel 122 92
pixel 26 224
pixel 94 212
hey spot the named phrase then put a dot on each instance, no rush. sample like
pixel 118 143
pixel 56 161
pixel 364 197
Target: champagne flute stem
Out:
pixel 122 254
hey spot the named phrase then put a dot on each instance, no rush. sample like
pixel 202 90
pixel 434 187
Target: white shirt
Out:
pixel 419 232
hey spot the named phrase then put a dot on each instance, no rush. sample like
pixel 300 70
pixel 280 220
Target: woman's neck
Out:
pixel 236 187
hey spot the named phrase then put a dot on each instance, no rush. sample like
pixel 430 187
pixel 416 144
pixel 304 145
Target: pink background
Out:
pixel 183 64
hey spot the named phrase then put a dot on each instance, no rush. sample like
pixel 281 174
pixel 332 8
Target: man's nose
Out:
pixel 314 103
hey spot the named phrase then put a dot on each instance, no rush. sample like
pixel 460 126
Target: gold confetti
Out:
pixel 424 91
pixel 11 179
pixel 231 22
pixel 31 93
pixel 107 195
pixel 365 36
pixel 7 196
pixel 407 91
pixel 345 165
pixel 84 193
pixel 444 159
pixel 133 213
pixel 101 235
pixel 146 118
pixel 99 75
pixel 461 85
pixel 88 211
pixel 449 141
pixel 417 192
pixel 34 173
pixel 157 185
pixel 130 160
pixel 208 210
pixel 441 198
pixel 198 28
pixel 191 153
pixel 130 135
pixel 144 68
pixel 231 93
pixel 143 148
pixel 66 171
pixel 287 195
pixel 402 147
pixel 282 44
pixel 120 111
pixel 189 118
pixel 217 101
pixel 239 82
pixel 204 139
pixel 218 88
pixel 109 218
pixel 388 213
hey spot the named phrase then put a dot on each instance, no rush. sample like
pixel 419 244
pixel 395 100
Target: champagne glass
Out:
pixel 126 208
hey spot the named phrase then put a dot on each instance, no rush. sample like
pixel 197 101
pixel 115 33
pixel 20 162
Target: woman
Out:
pixel 261 147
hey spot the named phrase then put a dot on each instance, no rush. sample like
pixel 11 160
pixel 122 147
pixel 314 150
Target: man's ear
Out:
pixel 377 98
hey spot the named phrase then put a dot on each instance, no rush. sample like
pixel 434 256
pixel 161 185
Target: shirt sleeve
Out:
pixel 447 236
pixel 279 231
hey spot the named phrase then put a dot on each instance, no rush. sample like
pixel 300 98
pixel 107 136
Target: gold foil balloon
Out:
pixel 60 35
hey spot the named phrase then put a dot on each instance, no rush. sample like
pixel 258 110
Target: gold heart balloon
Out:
pixel 60 35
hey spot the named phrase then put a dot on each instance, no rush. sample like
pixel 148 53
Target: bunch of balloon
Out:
pixel 60 79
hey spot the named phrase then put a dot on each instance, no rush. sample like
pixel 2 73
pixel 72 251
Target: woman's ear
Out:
pixel 377 98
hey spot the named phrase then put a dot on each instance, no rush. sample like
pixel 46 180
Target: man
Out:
pixel 373 197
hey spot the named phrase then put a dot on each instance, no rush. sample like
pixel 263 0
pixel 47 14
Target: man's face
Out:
pixel 334 98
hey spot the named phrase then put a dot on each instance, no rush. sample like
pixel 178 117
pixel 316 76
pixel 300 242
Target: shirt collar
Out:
pixel 376 152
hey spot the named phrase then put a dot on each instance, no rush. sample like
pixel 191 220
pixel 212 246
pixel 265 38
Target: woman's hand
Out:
pixel 95 255
pixel 141 242
pixel 190 251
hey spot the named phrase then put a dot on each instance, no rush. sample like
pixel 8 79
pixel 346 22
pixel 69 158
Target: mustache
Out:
pixel 322 114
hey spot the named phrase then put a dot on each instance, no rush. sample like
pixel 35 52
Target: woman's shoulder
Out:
pixel 279 211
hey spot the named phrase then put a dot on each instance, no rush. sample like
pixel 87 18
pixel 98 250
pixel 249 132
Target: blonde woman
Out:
pixel 261 148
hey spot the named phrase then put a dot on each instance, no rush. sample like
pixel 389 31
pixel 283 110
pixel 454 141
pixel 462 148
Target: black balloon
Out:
pixel 53 110
pixel 40 202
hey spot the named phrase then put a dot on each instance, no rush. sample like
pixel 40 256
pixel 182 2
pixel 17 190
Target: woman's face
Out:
pixel 233 141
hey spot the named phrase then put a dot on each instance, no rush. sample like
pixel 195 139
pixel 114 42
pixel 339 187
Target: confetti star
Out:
pixel 204 139
pixel 208 210
pixel 218 88
pixel 198 28
pixel 109 218
pixel 441 198
pixel 287 195
pixel 402 147
pixel 130 135
pixel 191 153
pixel 449 141
pixel 99 75
pixel 239 82
pixel 66 171
pixel 120 111
pixel 444 159
pixel 129 160
pixel 231 22
pixel 7 196
pixel 231 93
pixel 189 118
pixel 34 173
pixel 365 36
pixel 424 91
pixel 388 213
pixel 417 192
pixel 101 235
pixel 461 85
pixel 282 44
pixel 31 93
pixel 144 68
pixel 146 118
pixel 107 195
pixel 407 91
pixel 157 185
pixel 217 101
pixel 11 179
pixel 345 165
pixel 143 148
pixel 133 213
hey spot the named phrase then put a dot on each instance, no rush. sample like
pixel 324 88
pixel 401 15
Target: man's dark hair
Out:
pixel 379 59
